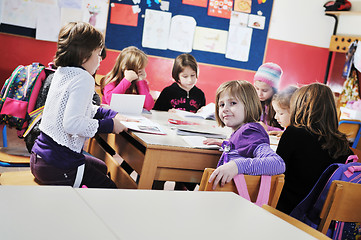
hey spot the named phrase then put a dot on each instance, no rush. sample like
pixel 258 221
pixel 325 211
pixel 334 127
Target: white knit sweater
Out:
pixel 68 113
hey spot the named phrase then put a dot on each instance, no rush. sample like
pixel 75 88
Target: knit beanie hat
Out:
pixel 269 73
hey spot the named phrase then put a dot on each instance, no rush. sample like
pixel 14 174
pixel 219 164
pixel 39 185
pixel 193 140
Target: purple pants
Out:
pixel 94 176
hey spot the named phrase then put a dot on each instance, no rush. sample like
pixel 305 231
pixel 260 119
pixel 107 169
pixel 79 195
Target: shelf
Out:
pixel 339 13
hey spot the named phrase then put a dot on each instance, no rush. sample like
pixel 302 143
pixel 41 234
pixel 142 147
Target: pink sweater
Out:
pixel 123 86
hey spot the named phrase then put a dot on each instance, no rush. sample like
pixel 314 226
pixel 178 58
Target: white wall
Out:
pixel 305 22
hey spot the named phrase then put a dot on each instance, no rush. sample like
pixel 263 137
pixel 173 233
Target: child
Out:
pixel 310 144
pixel 281 105
pixel 183 94
pixel 69 116
pixel 266 81
pixel 248 150
pixel 127 76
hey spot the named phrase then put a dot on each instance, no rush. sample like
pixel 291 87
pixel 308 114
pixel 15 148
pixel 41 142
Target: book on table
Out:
pixel 131 106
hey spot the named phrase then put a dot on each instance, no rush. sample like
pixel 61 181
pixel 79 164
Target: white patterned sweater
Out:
pixel 68 113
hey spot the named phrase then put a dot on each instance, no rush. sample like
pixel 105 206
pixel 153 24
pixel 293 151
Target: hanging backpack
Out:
pixel 19 94
pixel 308 211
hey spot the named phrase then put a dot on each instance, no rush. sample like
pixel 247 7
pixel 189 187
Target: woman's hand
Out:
pixel 224 174
pixel 130 75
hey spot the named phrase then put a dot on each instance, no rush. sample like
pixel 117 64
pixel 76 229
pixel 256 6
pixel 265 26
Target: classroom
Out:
pixel 267 99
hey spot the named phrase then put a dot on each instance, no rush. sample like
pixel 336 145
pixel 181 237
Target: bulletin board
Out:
pixel 126 27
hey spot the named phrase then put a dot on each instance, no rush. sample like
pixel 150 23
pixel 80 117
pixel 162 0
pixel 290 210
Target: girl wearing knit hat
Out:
pixel 266 81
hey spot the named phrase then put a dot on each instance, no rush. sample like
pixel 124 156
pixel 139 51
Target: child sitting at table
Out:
pixel 128 76
pixel 248 149
pixel 281 105
pixel 266 81
pixel 69 117
pixel 183 94
pixel 310 144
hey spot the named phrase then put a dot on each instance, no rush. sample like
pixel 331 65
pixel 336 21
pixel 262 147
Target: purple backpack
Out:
pixel 308 211
pixel 19 93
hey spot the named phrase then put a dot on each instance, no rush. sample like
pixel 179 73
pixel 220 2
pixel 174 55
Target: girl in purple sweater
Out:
pixel 128 76
pixel 248 150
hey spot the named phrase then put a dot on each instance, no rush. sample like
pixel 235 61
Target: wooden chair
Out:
pixel 293 221
pixel 253 183
pixel 342 204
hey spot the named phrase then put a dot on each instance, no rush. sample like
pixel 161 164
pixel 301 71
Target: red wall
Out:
pixel 302 64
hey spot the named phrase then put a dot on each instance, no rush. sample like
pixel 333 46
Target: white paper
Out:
pixel 70 15
pixel 207 111
pixel 48 23
pixel 143 124
pixel 181 33
pixel 210 40
pixel 197 142
pixel 19 13
pixel 239 43
pixel 131 104
pixel 164 5
pixel 156 29
pixel 256 21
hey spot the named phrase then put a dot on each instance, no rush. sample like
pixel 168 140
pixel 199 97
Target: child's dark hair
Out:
pixel 245 92
pixel 76 42
pixel 181 62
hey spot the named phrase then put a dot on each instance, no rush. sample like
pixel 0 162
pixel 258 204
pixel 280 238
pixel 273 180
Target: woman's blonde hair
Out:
pixel 246 93
pixel 313 107
pixel 76 43
pixel 130 58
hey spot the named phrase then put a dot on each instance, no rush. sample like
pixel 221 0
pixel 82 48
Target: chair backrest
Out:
pixel 342 204
pixel 253 184
pixel 298 224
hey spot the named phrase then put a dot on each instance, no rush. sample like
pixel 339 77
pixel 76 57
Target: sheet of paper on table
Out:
pixel 143 124
pixel 197 142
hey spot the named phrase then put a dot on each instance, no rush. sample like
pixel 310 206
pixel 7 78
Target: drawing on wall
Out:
pixel 210 40
pixel 199 3
pixel 243 6
pixel 70 4
pixel 70 15
pixel 19 13
pixel 164 6
pixel 256 21
pixel 181 33
pixel 123 14
pixel 239 37
pixel 48 23
pixel 156 29
pixel 96 13
pixel 220 8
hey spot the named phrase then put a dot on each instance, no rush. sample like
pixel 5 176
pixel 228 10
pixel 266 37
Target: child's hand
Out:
pixel 172 110
pixel 118 127
pixel 142 74
pixel 224 174
pixel 213 141
pixel 275 133
pixel 130 75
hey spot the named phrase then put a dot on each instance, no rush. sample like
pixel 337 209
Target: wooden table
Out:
pixel 48 212
pixel 144 214
pixel 155 157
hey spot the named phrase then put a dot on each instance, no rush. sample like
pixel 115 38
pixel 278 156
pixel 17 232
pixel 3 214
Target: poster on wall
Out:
pixel 123 14
pixel 95 12
pixel 156 29
pixel 48 23
pixel 181 33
